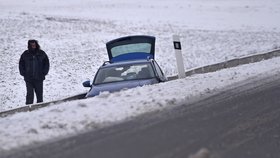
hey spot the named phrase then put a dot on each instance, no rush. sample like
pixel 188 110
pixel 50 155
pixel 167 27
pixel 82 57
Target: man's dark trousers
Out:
pixel 31 87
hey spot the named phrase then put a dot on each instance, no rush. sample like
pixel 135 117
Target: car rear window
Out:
pixel 131 48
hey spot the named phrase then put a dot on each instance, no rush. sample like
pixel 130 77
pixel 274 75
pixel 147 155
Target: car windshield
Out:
pixel 124 73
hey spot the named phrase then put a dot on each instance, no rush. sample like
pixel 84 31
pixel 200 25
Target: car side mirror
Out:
pixel 87 83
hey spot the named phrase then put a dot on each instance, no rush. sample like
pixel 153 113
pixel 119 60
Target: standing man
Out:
pixel 34 66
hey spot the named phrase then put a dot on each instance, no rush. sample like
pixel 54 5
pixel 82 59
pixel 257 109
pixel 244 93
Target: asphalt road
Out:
pixel 234 124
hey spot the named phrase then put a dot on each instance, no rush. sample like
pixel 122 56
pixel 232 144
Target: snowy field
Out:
pixel 73 33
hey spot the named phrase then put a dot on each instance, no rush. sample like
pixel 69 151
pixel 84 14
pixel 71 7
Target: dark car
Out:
pixel 131 64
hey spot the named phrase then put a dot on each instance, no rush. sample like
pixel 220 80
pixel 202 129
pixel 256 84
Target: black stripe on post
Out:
pixel 177 45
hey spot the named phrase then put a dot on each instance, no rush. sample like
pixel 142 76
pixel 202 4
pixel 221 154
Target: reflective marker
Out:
pixel 179 56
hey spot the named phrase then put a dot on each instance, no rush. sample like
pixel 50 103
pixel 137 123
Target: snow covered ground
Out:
pixel 73 33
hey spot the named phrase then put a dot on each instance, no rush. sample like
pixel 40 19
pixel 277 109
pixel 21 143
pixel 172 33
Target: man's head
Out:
pixel 33 45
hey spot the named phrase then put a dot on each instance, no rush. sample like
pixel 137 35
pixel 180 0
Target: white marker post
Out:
pixel 179 56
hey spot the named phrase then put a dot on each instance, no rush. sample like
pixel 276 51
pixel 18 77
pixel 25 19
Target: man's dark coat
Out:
pixel 34 65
